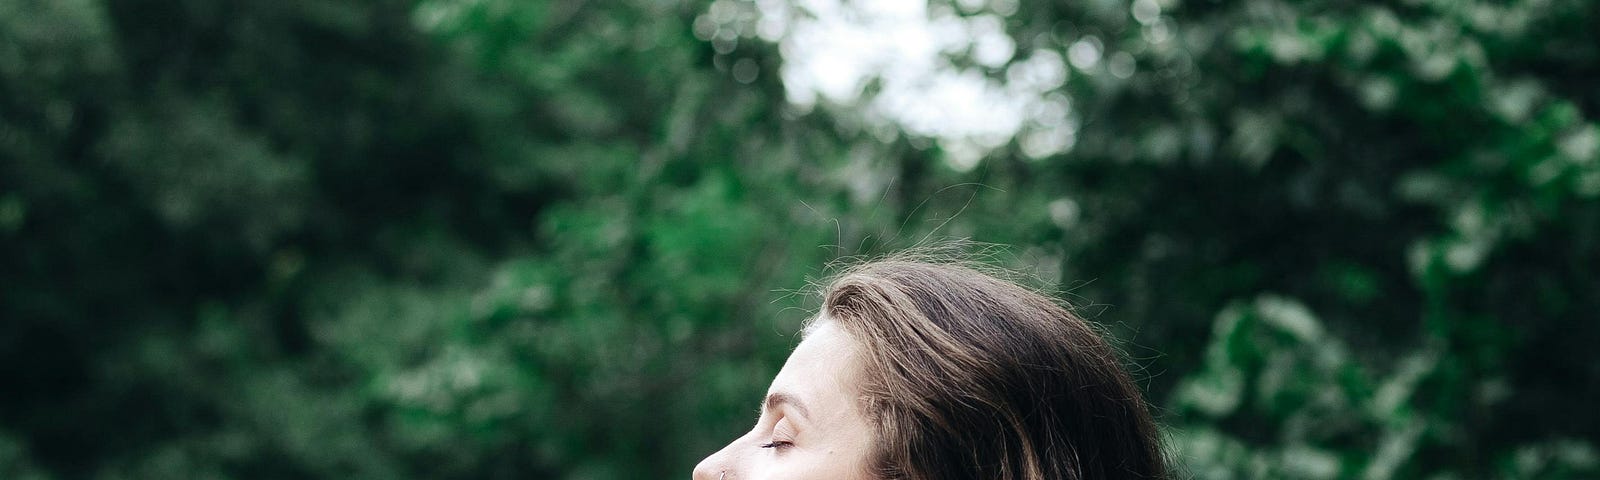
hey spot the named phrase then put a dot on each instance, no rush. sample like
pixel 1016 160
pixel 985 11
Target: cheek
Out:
pixel 850 455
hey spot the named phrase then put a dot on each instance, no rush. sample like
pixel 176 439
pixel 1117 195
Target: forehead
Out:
pixel 823 368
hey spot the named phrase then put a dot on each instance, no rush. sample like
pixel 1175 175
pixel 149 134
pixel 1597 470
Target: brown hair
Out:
pixel 967 376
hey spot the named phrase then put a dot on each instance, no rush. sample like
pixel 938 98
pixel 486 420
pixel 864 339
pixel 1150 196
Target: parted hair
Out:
pixel 966 376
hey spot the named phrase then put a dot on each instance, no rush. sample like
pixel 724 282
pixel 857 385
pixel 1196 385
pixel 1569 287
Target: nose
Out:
pixel 715 466
pixel 708 469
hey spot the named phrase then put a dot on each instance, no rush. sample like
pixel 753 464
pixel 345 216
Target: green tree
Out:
pixel 497 239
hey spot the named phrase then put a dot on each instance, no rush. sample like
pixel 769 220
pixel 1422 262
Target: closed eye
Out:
pixel 782 436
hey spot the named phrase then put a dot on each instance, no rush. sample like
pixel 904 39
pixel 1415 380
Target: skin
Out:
pixel 810 418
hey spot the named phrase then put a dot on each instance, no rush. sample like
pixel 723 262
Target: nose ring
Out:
pixel 722 475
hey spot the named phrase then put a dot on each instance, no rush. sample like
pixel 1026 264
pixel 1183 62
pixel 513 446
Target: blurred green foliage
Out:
pixel 504 239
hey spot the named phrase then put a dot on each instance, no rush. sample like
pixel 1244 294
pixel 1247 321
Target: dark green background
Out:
pixel 511 239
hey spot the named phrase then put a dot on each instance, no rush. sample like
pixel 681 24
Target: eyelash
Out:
pixel 778 445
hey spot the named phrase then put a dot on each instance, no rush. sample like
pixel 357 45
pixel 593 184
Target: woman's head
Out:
pixel 936 371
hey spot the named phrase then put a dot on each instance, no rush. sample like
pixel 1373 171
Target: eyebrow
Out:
pixel 778 399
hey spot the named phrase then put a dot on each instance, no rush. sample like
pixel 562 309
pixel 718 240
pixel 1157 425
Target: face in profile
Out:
pixel 926 370
pixel 811 425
